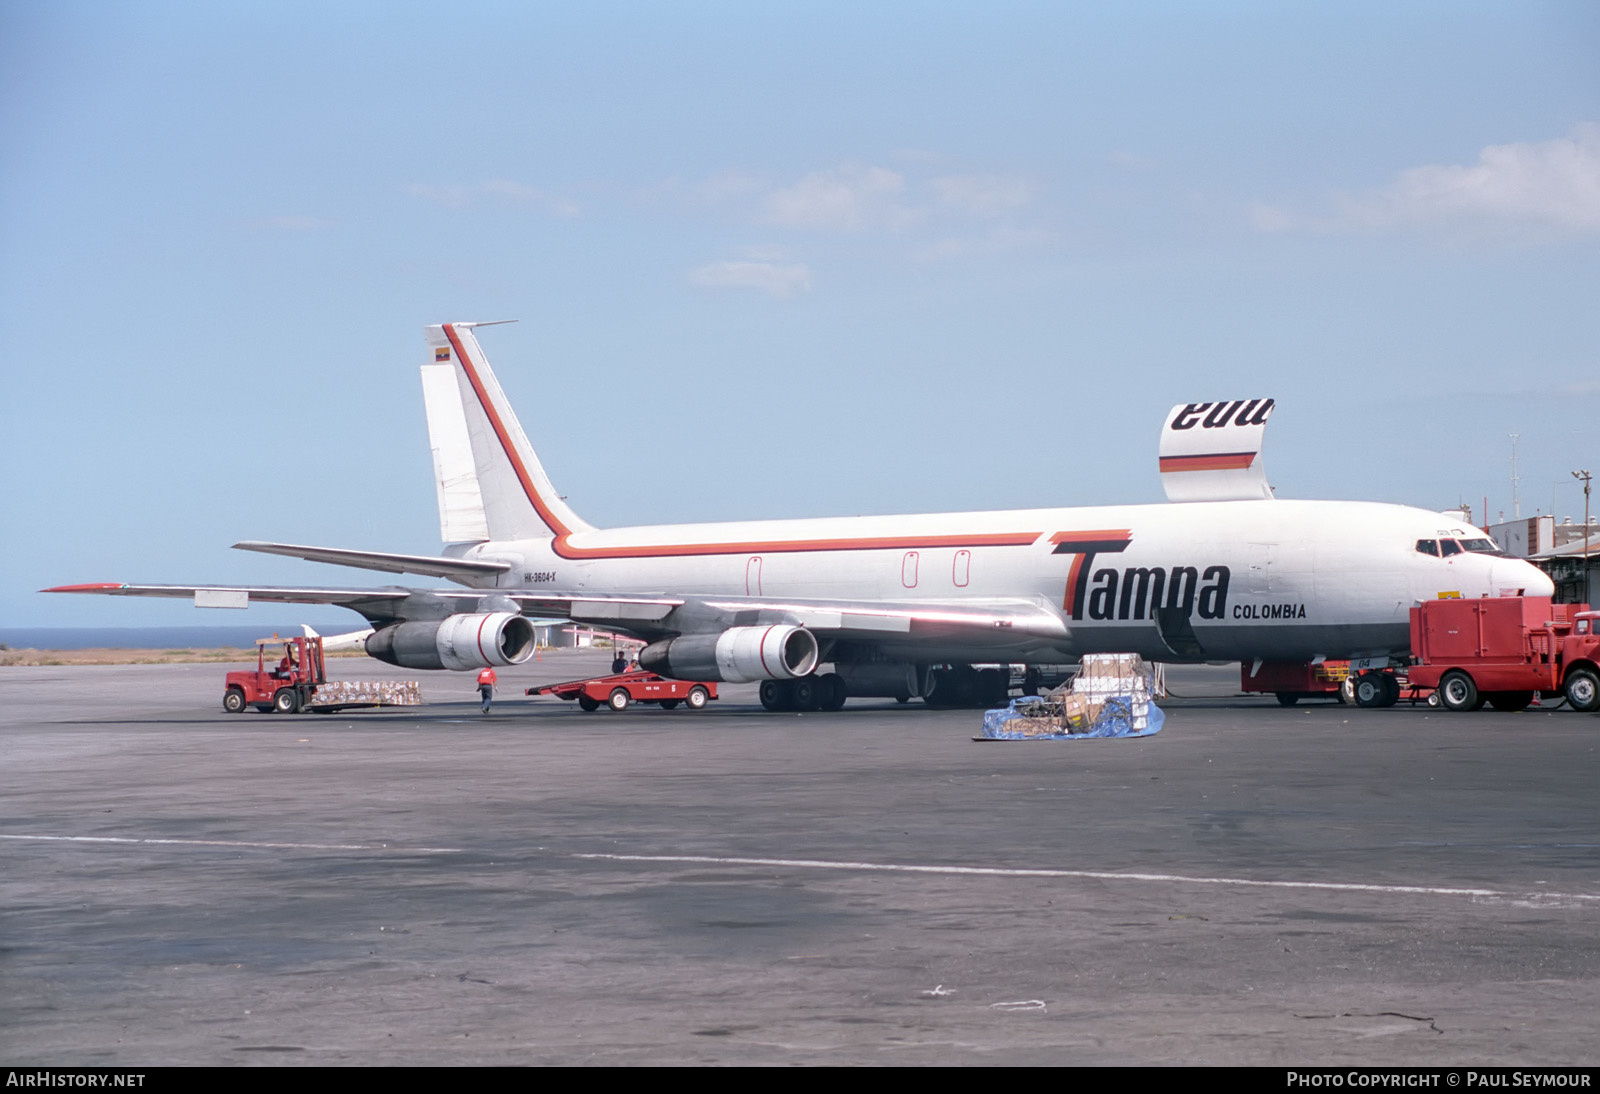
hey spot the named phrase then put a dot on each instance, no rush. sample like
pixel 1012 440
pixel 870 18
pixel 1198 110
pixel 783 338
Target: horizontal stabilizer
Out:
pixel 1212 451
pixel 431 565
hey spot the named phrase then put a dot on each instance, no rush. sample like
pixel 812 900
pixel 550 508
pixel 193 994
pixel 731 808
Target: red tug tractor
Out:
pixel 626 688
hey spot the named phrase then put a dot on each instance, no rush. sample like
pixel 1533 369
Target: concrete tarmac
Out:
pixel 1253 885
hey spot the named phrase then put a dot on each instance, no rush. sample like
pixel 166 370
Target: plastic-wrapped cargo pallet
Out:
pixel 386 693
pixel 1110 697
pixel 1115 675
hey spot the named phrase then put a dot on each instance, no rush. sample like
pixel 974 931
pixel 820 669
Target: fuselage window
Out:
pixel 1428 547
pixel 1448 547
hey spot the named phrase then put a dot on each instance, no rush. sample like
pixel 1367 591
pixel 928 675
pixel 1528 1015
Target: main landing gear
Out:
pixel 825 692
pixel 1376 689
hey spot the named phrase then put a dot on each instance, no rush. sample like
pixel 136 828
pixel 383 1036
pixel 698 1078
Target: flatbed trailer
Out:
pixel 621 690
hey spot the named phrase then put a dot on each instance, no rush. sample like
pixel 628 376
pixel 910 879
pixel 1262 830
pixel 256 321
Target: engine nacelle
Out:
pixel 736 656
pixel 458 642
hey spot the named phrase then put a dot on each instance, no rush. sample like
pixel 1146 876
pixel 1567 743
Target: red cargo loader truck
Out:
pixel 1506 650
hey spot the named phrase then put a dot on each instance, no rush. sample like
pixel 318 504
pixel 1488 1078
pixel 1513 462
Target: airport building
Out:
pixel 1569 552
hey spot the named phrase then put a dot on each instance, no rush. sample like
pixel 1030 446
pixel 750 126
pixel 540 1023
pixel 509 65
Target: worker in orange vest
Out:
pixel 486 683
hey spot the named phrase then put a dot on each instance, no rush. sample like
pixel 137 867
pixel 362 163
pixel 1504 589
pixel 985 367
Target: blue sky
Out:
pixel 771 261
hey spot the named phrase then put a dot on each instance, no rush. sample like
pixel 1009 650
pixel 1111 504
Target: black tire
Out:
pixel 1583 690
pixel 777 695
pixel 834 691
pixel 1391 689
pixel 807 696
pixel 619 699
pixel 233 701
pixel 286 701
pixel 1372 691
pixel 668 704
pixel 588 703
pixel 1510 701
pixel 697 698
pixel 1347 691
pixel 1288 698
pixel 1458 692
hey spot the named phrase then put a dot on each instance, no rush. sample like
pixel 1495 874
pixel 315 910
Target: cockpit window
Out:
pixel 1481 547
pixel 1448 547
pixel 1428 547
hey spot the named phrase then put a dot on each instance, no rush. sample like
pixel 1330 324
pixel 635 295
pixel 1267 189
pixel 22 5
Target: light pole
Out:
pixel 1585 478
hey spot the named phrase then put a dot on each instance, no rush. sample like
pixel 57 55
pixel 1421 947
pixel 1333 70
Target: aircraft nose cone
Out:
pixel 1516 574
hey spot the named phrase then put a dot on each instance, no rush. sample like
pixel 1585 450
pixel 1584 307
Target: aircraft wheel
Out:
pixel 807 696
pixel 588 703
pixel 1371 691
pixel 1347 691
pixel 1391 689
pixel 668 704
pixel 834 691
pixel 1510 701
pixel 619 699
pixel 233 701
pixel 697 698
pixel 1583 690
pixel 1288 698
pixel 902 698
pixel 777 695
pixel 994 688
pixel 286 701
pixel 1458 692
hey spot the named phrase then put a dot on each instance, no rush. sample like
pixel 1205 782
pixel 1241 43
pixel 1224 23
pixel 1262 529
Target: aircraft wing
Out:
pixel 1000 622
pixel 392 602
pixel 429 565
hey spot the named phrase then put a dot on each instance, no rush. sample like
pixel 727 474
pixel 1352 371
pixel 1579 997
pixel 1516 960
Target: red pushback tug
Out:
pixel 1506 650
pixel 626 688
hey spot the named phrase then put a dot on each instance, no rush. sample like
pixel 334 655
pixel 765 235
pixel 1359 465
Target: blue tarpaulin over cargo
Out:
pixel 1116 720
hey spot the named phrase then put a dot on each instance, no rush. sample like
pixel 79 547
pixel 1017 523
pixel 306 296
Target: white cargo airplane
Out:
pixel 900 606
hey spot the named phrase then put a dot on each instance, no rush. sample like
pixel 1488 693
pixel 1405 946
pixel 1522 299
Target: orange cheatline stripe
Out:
pixel 1222 461
pixel 1092 534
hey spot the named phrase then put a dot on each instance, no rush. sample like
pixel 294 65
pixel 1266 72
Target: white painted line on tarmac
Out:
pixel 1097 875
pixel 245 843
pixel 869 867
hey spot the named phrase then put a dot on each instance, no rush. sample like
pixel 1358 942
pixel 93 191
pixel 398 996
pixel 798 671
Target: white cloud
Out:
pixel 495 192
pixel 1544 186
pixel 847 199
pixel 775 279
pixel 986 196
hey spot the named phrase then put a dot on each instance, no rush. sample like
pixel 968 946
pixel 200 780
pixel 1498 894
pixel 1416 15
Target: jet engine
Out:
pixel 458 642
pixel 738 655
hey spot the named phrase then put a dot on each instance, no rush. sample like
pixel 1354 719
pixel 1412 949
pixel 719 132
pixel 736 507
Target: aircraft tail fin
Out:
pixel 1212 451
pixel 490 483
